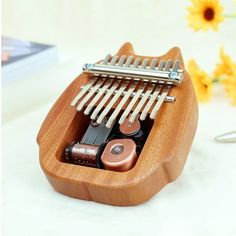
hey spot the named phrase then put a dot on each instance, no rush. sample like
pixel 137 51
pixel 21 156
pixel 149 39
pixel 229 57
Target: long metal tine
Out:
pixel 112 102
pixel 120 105
pixel 159 102
pixel 105 99
pixel 132 103
pixel 164 93
pixel 138 93
pixel 141 103
pixel 83 91
pixel 90 94
pixel 98 96
pixel 125 98
pixel 150 102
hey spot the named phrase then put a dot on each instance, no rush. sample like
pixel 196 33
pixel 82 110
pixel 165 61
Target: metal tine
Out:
pixel 156 92
pixel 112 102
pixel 141 103
pixel 161 65
pixel 105 99
pixel 144 63
pixel 153 64
pixel 176 66
pixel 116 112
pixel 137 62
pixel 114 59
pixel 150 102
pixel 106 60
pixel 132 103
pixel 144 98
pixel 129 61
pixel 83 91
pixel 98 96
pixel 164 93
pixel 122 60
pixel 137 94
pixel 159 102
pixel 90 94
pixel 168 64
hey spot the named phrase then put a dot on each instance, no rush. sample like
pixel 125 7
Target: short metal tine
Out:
pixel 161 65
pixel 112 102
pixel 90 94
pixel 114 59
pixel 83 91
pixel 105 99
pixel 144 63
pixel 137 62
pixel 153 64
pixel 98 96
pixel 106 60
pixel 168 65
pixel 122 60
pixel 176 65
pixel 129 61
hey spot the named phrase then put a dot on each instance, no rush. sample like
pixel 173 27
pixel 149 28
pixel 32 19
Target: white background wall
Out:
pixel 87 27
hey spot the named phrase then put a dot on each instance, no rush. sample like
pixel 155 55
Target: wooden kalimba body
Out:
pixel 122 130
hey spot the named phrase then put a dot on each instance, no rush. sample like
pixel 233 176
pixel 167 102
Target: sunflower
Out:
pixel 201 81
pixel 226 73
pixel 226 66
pixel 205 14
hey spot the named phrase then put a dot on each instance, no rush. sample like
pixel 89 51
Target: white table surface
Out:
pixel 200 202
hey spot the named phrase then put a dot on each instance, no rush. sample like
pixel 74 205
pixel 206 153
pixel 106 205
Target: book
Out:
pixel 22 59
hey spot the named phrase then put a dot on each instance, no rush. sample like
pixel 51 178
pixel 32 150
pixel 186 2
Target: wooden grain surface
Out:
pixel 160 162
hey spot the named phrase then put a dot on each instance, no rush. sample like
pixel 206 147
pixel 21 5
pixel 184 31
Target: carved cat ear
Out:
pixel 175 54
pixel 126 49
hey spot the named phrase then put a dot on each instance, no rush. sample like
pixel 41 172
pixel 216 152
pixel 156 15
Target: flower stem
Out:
pixel 217 80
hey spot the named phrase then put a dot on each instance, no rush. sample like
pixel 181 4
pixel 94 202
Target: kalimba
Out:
pixel 122 130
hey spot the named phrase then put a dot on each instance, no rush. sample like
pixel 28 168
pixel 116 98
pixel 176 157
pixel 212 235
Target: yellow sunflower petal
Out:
pixel 201 81
pixel 205 14
pixel 226 67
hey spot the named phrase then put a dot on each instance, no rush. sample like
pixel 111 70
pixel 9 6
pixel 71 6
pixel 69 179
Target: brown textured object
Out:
pixel 161 161
pixel 82 154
